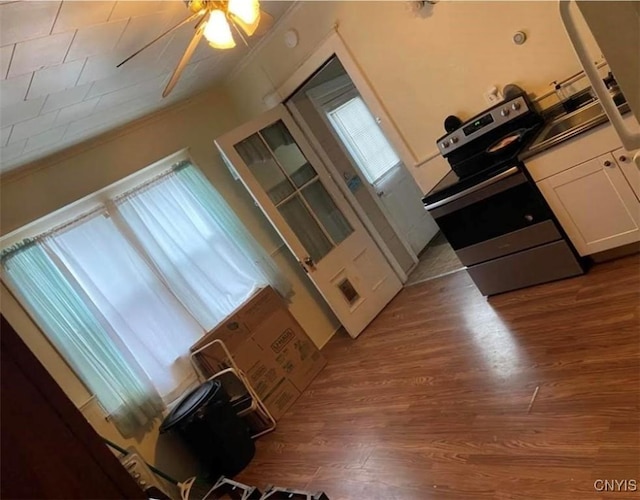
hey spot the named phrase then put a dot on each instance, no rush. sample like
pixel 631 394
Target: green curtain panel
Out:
pixel 221 213
pixel 72 326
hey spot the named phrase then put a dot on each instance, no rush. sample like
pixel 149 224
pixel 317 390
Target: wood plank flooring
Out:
pixel 430 402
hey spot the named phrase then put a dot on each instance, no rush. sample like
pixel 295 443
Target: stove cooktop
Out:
pixel 452 183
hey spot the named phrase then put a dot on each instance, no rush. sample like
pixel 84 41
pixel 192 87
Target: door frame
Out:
pixel 350 88
pixel 331 46
pixel 346 192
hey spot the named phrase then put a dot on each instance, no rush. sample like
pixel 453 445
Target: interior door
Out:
pixel 403 199
pixel 294 190
pixel 364 143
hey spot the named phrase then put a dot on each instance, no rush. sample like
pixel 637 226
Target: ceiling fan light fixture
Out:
pixel 245 13
pixel 217 31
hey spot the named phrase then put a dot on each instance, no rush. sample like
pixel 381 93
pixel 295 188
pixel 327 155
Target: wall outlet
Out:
pixel 493 95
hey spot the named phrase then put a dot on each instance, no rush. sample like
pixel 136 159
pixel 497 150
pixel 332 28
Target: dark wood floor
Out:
pixel 431 400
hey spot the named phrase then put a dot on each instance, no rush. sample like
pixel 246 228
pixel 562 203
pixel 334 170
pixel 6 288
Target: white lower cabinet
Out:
pixel 629 162
pixel 595 203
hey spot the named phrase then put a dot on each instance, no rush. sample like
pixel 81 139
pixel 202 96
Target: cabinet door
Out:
pixel 595 205
pixel 629 162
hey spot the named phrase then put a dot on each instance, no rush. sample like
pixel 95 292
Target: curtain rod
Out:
pixel 21 245
pixel 154 180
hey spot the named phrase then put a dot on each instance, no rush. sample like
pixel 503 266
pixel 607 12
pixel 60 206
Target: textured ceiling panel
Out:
pixel 21 21
pixel 94 40
pixel 14 90
pixel 54 79
pixel 59 83
pixel 74 15
pixel 32 55
pixel 5 59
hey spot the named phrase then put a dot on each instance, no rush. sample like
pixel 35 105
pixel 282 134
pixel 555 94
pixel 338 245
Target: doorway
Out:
pixel 346 134
pixel 436 260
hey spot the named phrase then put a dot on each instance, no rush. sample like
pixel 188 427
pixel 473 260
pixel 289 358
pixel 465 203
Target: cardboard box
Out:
pixel 281 398
pixel 269 345
pixel 238 326
pixel 285 341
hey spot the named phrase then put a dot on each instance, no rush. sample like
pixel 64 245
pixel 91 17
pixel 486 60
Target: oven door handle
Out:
pixel 473 189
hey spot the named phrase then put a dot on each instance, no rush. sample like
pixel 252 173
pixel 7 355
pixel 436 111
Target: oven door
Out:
pixel 496 207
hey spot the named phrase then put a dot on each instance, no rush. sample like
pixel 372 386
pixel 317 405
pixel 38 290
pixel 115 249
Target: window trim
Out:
pixel 94 201
pixel 334 103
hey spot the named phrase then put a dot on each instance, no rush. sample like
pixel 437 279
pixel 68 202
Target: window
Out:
pixel 361 135
pixel 125 290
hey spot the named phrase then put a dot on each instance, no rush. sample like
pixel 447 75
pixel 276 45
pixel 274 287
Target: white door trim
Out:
pixel 334 45
pixel 342 92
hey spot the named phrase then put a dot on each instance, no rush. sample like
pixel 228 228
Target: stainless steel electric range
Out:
pixel 491 212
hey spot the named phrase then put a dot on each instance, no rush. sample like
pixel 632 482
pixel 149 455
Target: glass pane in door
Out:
pixel 264 168
pixel 327 212
pixel 305 228
pixel 288 153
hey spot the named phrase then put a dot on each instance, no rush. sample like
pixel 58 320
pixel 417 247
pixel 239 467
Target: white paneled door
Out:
pixel 402 197
pixel 291 185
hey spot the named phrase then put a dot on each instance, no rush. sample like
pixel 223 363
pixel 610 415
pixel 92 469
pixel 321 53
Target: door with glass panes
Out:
pixel 294 190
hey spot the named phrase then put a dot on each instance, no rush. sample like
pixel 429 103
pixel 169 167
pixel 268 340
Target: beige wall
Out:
pixel 422 69
pixel 57 181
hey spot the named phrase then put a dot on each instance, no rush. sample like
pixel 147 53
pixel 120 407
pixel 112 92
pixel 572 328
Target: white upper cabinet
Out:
pixel 595 203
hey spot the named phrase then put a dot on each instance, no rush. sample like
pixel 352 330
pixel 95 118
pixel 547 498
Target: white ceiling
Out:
pixel 59 84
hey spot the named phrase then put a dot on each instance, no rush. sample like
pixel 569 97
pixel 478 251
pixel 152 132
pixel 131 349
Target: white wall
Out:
pixel 50 184
pixel 422 69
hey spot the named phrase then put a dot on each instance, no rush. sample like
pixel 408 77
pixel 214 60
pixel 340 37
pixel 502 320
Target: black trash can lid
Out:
pixel 190 404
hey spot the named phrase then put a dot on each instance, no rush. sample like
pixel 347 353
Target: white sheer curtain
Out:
pixel 125 292
pixel 197 245
pixel 147 317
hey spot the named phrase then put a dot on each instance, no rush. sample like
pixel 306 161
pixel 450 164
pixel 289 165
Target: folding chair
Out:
pixel 244 398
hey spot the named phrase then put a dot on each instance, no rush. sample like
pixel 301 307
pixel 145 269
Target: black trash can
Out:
pixel 205 420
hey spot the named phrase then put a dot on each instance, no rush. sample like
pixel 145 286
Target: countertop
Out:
pixel 602 119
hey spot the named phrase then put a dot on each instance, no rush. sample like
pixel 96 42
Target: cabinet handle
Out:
pixel 607 163
pixel 623 158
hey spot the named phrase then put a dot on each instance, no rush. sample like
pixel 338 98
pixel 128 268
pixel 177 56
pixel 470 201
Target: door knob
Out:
pixel 308 261
pixel 607 163
pixel 622 158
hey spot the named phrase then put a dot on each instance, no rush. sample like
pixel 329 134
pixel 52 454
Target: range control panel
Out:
pixel 483 123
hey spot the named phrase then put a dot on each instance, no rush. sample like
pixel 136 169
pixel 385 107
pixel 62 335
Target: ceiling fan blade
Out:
pixel 266 22
pixel 186 56
pixel 170 30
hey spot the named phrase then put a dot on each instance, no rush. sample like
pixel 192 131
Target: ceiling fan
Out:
pixel 214 22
